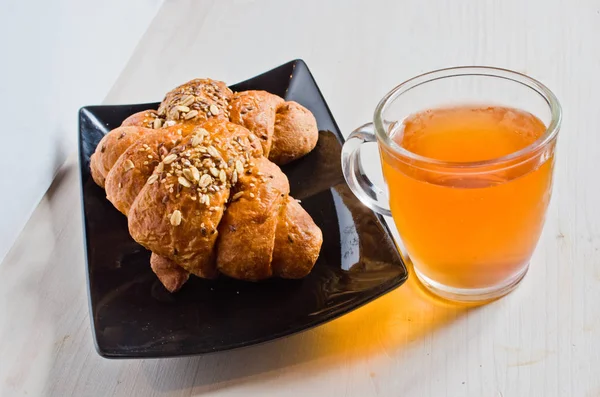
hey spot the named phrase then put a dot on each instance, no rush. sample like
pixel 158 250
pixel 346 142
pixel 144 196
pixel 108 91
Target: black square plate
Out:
pixel 133 316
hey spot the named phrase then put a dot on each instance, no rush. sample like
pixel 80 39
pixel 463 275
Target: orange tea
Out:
pixel 464 230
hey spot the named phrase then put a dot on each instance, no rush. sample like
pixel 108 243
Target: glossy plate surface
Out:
pixel 133 316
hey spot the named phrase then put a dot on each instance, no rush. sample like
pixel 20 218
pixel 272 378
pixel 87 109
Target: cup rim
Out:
pixel 487 71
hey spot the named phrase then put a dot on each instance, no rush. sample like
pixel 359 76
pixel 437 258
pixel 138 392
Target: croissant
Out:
pixel 196 181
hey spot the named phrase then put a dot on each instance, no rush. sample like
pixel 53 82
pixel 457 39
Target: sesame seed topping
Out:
pixel 184 182
pixel 187 100
pixel 188 174
pixel 170 158
pixel 213 152
pixel 190 114
pixel 195 173
pixel 176 218
pixel 239 167
pixel 196 140
pixel 205 180
pixel 237 196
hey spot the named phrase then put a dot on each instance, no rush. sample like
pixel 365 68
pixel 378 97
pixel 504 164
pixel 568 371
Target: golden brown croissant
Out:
pixel 198 192
pixel 287 130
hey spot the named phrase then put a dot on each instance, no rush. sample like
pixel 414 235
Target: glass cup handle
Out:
pixel 358 181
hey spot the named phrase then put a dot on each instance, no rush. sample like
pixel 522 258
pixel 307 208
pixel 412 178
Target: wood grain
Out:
pixel 542 340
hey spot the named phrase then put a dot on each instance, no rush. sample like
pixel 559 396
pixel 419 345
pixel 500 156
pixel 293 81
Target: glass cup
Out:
pixel 469 227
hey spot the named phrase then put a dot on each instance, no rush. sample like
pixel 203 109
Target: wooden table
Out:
pixel 542 340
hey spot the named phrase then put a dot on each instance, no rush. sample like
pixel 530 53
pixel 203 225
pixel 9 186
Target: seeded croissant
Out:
pixel 195 181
